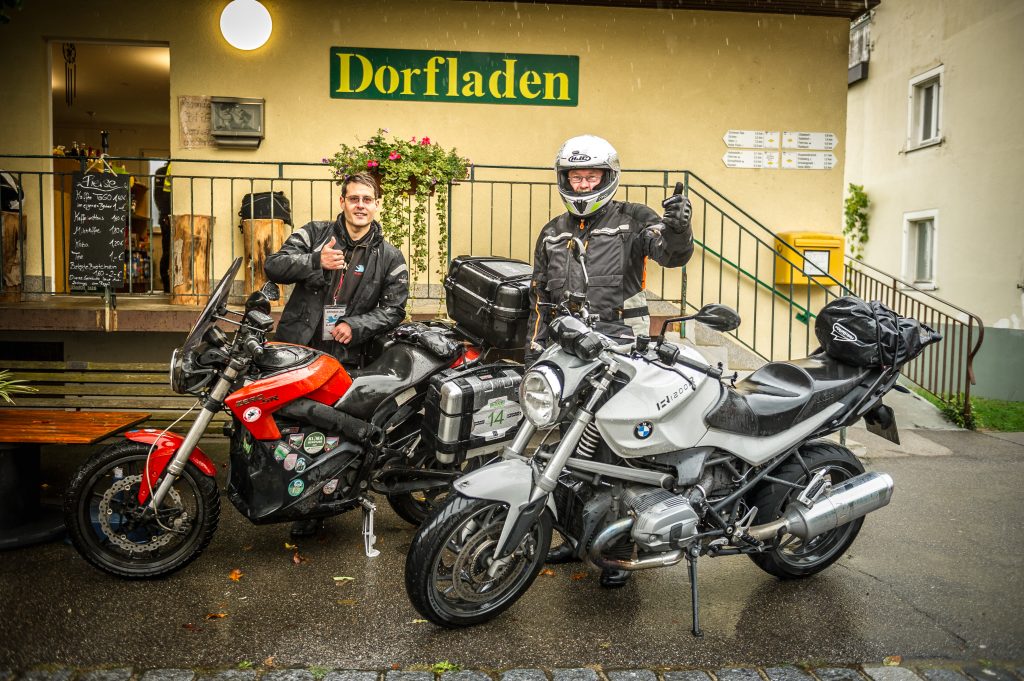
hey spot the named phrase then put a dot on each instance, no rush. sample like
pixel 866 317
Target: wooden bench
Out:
pixel 105 386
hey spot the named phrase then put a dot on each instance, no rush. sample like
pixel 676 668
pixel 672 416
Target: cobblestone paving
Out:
pixel 908 671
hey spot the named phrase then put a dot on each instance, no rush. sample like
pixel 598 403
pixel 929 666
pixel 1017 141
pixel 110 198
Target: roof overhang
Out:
pixel 850 9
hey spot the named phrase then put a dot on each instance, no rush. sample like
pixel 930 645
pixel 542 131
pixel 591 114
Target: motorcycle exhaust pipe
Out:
pixel 845 503
pixel 607 537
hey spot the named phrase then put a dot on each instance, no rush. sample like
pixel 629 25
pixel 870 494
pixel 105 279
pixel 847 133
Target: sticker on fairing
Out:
pixel 300 465
pixel 496 418
pixel 289 461
pixel 331 486
pixel 252 414
pixel 314 443
pixel 331 442
pixel 295 487
pixel 295 439
pixel 280 452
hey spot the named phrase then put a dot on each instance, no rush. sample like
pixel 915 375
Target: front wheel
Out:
pixel 111 530
pixel 793 558
pixel 451 575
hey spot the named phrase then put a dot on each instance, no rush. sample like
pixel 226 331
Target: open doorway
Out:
pixel 123 90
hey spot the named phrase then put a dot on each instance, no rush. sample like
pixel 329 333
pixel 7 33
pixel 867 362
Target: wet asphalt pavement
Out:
pixel 937 574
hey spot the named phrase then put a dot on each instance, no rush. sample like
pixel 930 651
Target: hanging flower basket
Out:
pixel 411 174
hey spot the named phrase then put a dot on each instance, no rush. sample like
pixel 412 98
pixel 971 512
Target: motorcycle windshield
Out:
pixel 215 304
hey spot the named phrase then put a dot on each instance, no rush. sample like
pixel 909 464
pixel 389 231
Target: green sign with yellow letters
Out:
pixel 443 76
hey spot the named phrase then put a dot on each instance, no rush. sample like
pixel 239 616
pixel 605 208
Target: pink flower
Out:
pixel 394 156
pixel 372 164
pixel 425 141
pixel 413 139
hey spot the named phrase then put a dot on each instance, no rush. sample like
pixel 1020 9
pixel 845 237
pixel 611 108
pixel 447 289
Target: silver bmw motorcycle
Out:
pixel 660 458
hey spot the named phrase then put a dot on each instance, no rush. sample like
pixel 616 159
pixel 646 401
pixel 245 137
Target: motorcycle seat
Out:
pixel 400 366
pixel 780 394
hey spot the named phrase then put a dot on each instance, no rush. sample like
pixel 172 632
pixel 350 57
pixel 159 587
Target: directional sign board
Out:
pixel 808 140
pixel 748 158
pixel 808 160
pixel 751 139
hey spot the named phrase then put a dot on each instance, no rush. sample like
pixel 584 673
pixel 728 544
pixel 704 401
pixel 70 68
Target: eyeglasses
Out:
pixel 585 179
pixel 365 200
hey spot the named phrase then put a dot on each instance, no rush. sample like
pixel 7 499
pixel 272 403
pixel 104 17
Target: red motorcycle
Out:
pixel 308 439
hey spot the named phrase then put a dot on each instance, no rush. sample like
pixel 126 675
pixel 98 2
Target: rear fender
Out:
pixel 166 445
pixel 510 482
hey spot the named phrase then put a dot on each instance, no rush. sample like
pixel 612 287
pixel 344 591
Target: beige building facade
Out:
pixel 932 135
pixel 665 86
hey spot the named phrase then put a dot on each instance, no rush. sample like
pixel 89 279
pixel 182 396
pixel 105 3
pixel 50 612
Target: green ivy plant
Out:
pixel 855 207
pixel 409 172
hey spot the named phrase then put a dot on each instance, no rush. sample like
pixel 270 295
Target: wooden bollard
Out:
pixel 190 259
pixel 261 238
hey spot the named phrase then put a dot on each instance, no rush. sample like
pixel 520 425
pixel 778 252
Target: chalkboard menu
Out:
pixel 99 217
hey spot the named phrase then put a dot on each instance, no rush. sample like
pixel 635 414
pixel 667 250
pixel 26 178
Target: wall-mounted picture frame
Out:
pixel 237 121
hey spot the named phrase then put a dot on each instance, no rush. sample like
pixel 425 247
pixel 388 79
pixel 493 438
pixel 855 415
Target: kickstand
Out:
pixel 369 538
pixel 691 557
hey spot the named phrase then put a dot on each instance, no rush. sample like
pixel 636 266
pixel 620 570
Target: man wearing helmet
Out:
pixel 618 237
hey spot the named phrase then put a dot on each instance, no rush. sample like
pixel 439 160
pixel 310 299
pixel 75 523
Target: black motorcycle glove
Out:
pixel 677 213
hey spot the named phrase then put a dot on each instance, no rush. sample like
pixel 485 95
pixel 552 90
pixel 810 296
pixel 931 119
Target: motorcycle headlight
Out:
pixel 539 395
pixel 177 372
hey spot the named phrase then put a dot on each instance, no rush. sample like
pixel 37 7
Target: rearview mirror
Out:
pixel 718 317
pixel 271 291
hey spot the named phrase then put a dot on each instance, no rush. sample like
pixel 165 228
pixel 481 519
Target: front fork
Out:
pixel 520 520
pixel 211 405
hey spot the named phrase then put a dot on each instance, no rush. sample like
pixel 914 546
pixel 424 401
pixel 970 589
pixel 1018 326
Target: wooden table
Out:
pixel 23 519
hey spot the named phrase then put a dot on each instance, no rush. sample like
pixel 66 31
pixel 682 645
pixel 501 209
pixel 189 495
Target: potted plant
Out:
pixel 409 172
pixel 11 386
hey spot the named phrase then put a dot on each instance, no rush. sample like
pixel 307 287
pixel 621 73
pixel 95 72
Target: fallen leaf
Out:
pixel 247 548
pixel 236 575
pixel 548 572
pixel 191 627
pixel 297 559
pixel 245 664
pixel 395 667
pixel 893 661
pixel 290 547
pixel 605 644
pixel 347 601
pixel 216 615
pixel 577 576
pixel 418 622
pixel 269 662
pixel 342 580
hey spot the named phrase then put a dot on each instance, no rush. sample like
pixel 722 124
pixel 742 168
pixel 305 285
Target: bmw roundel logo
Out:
pixel 643 430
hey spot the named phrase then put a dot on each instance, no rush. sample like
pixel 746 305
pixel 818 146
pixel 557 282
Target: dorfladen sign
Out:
pixel 473 77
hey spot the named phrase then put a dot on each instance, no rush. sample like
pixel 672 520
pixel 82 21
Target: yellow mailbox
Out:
pixel 812 256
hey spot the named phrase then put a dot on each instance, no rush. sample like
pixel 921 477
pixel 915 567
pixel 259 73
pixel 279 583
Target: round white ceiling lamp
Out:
pixel 246 24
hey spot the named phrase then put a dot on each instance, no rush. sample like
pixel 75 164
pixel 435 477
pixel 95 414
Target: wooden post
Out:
pixel 190 259
pixel 261 238
pixel 13 236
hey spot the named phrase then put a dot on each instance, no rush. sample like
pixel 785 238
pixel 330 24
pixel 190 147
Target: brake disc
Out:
pixel 121 540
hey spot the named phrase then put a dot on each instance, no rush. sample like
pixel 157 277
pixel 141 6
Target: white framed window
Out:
pixel 924 123
pixel 920 232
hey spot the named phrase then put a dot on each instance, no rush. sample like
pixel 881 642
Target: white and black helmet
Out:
pixel 587 151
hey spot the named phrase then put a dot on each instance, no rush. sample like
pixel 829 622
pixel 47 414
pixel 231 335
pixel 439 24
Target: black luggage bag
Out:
pixel 870 334
pixel 266 206
pixel 489 299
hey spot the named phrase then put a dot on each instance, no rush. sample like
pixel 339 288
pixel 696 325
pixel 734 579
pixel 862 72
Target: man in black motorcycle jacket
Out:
pixel 618 238
pixel 343 267
pixel 350 285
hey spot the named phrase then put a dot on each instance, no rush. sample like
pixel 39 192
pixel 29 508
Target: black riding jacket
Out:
pixel 377 305
pixel 617 241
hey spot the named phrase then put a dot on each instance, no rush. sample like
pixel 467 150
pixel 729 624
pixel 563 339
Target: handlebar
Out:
pixel 253 347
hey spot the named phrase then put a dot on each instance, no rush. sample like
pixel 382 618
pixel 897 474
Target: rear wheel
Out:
pixel 793 558
pixel 111 530
pixel 451 575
